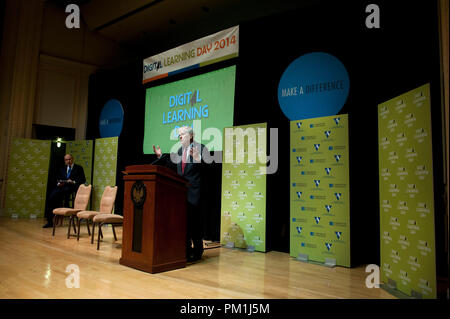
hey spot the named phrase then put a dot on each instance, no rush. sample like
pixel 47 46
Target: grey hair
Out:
pixel 186 129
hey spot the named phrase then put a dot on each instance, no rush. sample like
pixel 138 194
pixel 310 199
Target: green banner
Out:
pixel 27 178
pixel 82 151
pixel 243 210
pixel 205 102
pixel 407 233
pixel 105 167
pixel 320 191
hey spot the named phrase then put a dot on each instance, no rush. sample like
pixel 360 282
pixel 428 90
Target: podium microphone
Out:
pixel 155 161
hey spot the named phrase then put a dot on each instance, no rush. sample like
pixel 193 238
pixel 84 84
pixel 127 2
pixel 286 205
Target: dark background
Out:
pixel 382 64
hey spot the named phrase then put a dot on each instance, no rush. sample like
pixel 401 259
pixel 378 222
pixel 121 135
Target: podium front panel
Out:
pixel 154 229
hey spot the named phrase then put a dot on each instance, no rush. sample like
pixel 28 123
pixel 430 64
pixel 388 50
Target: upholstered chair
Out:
pixel 81 202
pixel 102 219
pixel 106 207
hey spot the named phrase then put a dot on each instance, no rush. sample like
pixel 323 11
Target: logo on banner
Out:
pixel 314 85
pixel 328 245
pixel 328 170
pixel 111 119
pixel 337 157
pixel 338 234
pixel 327 134
pixel 337 120
pixel 299 159
pixel 338 195
pixel 216 47
pixel 328 208
pixel 299 125
pixel 317 219
pixel 316 146
pixel 317 182
pixel 299 194
pixel 299 229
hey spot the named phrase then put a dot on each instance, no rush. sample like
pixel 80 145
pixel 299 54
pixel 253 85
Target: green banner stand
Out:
pixel 105 167
pixel 243 205
pixel 27 178
pixel 407 233
pixel 320 191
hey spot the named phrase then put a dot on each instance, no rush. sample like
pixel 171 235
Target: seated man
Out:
pixel 68 179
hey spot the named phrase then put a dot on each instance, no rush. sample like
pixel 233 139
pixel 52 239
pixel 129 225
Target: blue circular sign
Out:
pixel 314 85
pixel 111 119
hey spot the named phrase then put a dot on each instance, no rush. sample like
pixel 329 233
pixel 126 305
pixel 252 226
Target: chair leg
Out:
pixel 68 229
pixel 78 222
pixel 93 231
pixel 114 232
pixel 73 224
pixel 54 223
pixel 76 218
pixel 99 232
pixel 87 225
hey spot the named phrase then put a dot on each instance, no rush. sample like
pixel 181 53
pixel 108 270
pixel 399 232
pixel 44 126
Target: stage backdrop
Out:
pixel 243 210
pixel 320 191
pixel 105 166
pixel 27 178
pixel 407 232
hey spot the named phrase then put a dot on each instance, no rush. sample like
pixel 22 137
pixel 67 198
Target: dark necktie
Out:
pixel 69 171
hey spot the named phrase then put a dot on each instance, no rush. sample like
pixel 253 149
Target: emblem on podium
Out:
pixel 138 193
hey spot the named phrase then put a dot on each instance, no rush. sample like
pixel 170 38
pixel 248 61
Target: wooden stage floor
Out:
pixel 33 266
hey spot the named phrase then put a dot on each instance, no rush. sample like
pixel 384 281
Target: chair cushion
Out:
pixel 87 214
pixel 108 218
pixel 64 211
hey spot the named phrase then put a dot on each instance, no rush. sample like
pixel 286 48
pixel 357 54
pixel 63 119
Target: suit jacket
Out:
pixel 77 175
pixel 192 172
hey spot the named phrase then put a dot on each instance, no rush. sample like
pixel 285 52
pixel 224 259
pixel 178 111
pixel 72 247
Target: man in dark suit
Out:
pixel 189 163
pixel 69 179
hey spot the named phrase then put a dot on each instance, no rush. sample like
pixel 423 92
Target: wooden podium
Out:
pixel 154 225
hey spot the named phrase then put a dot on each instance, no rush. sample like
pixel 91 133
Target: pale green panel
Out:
pixel 27 178
pixel 243 206
pixel 82 152
pixel 320 190
pixel 407 233
pixel 105 167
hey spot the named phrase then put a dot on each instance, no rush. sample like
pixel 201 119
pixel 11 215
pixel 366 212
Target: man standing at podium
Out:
pixel 190 167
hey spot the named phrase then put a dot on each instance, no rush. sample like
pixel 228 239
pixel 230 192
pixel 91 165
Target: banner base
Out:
pixel 329 262
pixel 230 244
pixel 390 289
pixel 302 257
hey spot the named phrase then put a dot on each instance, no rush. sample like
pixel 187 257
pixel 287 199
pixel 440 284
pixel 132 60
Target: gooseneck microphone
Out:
pixel 155 161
